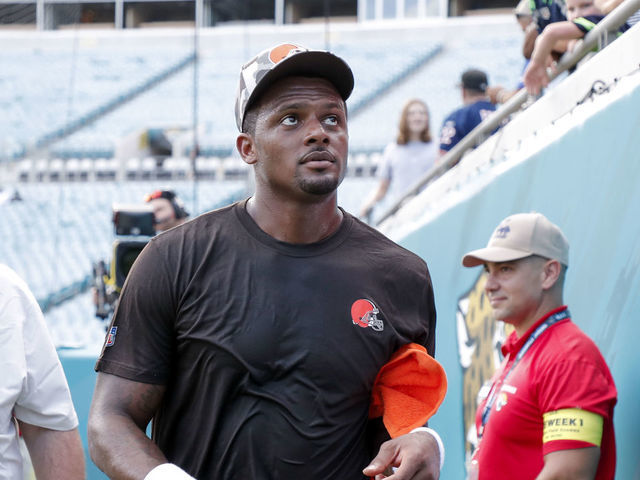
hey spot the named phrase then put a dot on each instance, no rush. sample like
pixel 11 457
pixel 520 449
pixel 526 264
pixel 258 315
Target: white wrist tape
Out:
pixel 435 435
pixel 168 471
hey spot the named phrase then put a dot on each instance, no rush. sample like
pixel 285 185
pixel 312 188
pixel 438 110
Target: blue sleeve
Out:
pixel 449 134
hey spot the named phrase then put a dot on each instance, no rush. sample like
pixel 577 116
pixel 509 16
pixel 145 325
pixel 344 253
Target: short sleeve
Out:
pixel 584 24
pixel 140 341
pixel 44 399
pixel 430 316
pixel 448 134
pixel 579 385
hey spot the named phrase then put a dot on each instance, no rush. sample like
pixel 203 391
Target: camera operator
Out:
pixel 133 227
pixel 168 209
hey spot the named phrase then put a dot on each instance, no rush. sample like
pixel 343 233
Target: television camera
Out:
pixel 134 227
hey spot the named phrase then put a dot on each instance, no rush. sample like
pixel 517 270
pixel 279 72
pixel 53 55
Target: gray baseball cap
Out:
pixel 519 236
pixel 287 60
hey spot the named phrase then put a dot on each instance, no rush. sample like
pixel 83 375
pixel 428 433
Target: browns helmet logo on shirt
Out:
pixel 364 313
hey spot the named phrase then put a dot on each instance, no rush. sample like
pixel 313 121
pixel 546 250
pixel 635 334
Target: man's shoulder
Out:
pixel 200 224
pixel 370 237
pixel 11 284
pixel 216 215
pixel 483 104
pixel 472 108
pixel 568 342
pixel 454 114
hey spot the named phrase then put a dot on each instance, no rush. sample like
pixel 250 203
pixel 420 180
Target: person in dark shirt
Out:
pixel 253 335
pixel 477 106
pixel 546 12
pixel 543 13
pixel 582 16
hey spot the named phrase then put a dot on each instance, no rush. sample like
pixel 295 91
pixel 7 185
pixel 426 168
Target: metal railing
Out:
pixel 599 36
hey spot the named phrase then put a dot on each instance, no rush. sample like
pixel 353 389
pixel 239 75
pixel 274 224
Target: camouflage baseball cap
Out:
pixel 285 60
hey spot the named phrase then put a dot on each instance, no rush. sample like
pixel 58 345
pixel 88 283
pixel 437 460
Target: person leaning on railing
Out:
pixel 582 16
pixel 607 6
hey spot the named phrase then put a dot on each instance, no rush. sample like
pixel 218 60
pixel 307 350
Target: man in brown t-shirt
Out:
pixel 238 332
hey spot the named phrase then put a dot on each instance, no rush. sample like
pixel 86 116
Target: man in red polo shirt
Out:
pixel 549 410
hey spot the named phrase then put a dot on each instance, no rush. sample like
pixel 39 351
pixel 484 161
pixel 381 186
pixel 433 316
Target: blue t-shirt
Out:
pixel 462 121
pixel 547 11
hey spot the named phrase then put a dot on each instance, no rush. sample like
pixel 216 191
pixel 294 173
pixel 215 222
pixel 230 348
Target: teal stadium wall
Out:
pixel 587 183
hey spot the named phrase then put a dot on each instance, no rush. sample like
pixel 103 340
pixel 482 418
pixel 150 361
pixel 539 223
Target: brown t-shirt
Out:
pixel 268 350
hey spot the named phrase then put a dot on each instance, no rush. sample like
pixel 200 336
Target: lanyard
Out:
pixel 556 317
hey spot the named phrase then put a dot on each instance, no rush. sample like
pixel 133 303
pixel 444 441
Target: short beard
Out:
pixel 320 186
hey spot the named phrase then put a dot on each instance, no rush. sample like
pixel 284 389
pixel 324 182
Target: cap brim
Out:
pixel 314 63
pixel 492 254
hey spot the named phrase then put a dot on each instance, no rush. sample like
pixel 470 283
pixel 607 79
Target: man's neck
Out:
pixel 296 223
pixel 473 98
pixel 544 308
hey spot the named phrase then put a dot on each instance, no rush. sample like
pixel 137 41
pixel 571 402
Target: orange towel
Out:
pixel 408 390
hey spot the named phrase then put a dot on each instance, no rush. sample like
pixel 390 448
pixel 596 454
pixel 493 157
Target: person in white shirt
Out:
pixel 34 395
pixel 407 159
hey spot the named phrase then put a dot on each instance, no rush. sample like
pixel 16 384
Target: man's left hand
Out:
pixel 415 456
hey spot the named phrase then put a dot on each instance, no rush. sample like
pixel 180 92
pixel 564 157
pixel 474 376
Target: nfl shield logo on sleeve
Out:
pixel 111 338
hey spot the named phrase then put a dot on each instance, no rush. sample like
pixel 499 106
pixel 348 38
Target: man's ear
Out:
pixel 246 148
pixel 552 270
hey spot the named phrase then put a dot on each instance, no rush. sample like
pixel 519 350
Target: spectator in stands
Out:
pixel 35 394
pixel 497 93
pixel 168 209
pixel 548 410
pixel 250 334
pixel 407 159
pixel 544 12
pixel 607 6
pixel 477 106
pixel 583 15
